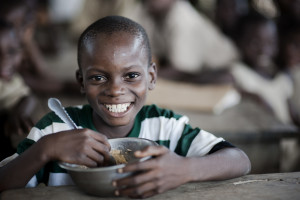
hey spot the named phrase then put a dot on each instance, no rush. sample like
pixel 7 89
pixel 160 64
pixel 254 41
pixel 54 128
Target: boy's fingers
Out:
pixel 89 162
pixel 96 143
pixel 151 151
pixel 144 167
pixel 100 138
pixel 101 150
pixel 142 191
pixel 137 179
pixel 95 156
pixel 100 146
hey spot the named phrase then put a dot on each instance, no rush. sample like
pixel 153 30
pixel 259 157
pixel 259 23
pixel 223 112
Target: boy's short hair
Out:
pixel 113 24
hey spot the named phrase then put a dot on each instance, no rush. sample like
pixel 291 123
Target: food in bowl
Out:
pixel 98 181
pixel 118 156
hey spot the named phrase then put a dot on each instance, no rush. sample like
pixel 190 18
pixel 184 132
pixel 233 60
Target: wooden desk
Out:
pixel 251 187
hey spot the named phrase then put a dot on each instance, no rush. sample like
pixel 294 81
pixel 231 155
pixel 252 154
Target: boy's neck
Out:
pixel 115 132
pixel 112 132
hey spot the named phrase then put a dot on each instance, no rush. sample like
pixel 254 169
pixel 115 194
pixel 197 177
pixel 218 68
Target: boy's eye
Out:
pixel 132 75
pixel 97 78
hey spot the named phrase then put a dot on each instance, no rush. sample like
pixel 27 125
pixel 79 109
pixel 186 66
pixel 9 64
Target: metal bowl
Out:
pixel 98 181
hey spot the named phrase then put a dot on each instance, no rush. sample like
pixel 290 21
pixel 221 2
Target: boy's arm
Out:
pixel 169 170
pixel 81 146
pixel 19 171
pixel 224 164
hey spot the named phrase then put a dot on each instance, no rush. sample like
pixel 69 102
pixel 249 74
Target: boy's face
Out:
pixel 115 77
pixel 10 54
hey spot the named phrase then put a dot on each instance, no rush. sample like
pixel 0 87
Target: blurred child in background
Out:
pixel 228 13
pixel 16 103
pixel 289 60
pixel 258 75
pixel 22 14
pixel 184 41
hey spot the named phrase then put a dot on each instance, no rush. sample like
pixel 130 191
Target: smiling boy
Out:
pixel 115 73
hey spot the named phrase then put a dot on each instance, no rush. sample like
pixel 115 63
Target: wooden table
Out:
pixel 253 187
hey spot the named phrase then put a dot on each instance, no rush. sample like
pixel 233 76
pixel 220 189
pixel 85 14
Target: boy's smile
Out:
pixel 115 76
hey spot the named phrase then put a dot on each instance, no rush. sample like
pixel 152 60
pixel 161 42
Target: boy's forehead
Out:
pixel 119 45
pixel 113 42
pixel 103 37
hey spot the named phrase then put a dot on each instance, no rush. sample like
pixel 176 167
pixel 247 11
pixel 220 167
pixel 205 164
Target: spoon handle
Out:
pixel 55 105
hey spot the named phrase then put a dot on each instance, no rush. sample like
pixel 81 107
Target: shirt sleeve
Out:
pixel 203 143
pixel 220 145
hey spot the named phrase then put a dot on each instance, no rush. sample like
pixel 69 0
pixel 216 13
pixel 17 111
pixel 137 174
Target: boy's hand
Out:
pixel 80 146
pixel 163 172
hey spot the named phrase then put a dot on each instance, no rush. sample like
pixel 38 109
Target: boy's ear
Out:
pixel 79 79
pixel 152 70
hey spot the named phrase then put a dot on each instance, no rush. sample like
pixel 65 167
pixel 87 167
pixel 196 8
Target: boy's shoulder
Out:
pixel 80 114
pixel 151 111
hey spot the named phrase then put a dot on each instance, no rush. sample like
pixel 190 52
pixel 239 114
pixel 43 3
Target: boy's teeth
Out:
pixel 117 108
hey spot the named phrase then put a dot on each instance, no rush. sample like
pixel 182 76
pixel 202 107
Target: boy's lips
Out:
pixel 117 110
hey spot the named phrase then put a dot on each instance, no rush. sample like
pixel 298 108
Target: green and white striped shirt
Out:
pixel 153 123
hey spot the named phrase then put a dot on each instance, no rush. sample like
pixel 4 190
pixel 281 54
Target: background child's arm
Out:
pixel 169 170
pixel 20 119
pixel 81 146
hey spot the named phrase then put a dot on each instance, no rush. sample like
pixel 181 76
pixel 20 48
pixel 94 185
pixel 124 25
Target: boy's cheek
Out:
pixel 91 90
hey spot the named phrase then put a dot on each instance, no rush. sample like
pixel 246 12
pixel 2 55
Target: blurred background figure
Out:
pixel 258 74
pixel 185 43
pixel 289 12
pixel 288 23
pixel 34 70
pixel 257 40
pixel 17 105
pixel 92 10
pixel 228 13
pixel 289 60
pixel 24 74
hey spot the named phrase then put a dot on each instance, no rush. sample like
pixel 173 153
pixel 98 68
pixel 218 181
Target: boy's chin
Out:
pixel 120 123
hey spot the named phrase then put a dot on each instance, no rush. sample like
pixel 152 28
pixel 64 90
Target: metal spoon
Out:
pixel 55 105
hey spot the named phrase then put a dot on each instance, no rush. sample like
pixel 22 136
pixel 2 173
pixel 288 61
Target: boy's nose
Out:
pixel 115 88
